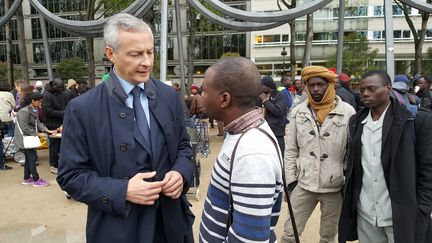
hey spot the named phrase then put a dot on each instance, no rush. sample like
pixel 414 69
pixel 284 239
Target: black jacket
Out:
pixel 276 112
pixel 423 126
pixel 53 106
pixel 398 162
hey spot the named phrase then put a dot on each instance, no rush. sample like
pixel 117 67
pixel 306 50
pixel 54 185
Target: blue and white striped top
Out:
pixel 256 186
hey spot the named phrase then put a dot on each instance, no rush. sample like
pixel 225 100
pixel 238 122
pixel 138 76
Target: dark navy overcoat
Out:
pixel 101 145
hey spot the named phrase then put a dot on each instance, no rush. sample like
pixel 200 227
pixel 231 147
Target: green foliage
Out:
pixel 114 6
pixel 3 73
pixel 230 54
pixel 357 56
pixel 71 68
pixel 427 62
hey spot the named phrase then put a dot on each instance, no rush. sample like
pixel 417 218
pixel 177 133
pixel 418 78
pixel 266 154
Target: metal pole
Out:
pixel 46 50
pixel 341 30
pixel 180 48
pixel 388 15
pixel 163 40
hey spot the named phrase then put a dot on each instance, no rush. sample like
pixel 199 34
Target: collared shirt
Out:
pixel 127 87
pixel 374 204
pixel 253 118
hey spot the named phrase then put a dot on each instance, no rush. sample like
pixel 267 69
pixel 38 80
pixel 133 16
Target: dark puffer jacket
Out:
pixel 53 106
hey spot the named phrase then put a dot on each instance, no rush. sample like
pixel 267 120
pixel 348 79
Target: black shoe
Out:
pixel 5 167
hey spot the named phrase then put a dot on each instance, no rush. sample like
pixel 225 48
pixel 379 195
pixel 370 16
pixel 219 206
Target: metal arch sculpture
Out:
pixel 255 21
pixel 92 27
pixel 10 13
pixel 236 25
pixel 279 16
pixel 423 6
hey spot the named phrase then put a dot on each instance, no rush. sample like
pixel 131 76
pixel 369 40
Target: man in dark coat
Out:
pixel 132 178
pixel 53 107
pixel 380 203
pixel 275 109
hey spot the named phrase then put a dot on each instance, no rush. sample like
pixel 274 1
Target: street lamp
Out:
pixel 283 53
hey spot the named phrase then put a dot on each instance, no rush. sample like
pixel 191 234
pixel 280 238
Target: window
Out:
pixel 301 36
pixel 378 35
pixel 378 11
pixel 62 6
pixel 398 11
pixel 214 46
pixel 352 11
pixel 271 39
pixel 397 34
pixel 14 55
pixel 13 29
pixel 406 34
pixel 60 50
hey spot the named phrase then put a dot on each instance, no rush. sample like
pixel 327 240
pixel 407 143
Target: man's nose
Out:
pixel 146 60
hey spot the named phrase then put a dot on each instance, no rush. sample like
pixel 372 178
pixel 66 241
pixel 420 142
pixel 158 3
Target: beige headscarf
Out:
pixel 323 107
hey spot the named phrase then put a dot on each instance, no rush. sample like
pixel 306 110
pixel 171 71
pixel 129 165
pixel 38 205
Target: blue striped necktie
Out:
pixel 140 117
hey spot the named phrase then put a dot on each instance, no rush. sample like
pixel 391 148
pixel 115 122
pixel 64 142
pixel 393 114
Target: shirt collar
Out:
pixel 380 120
pixel 249 120
pixel 127 86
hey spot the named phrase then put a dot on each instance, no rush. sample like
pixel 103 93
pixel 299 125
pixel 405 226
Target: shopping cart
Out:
pixel 199 137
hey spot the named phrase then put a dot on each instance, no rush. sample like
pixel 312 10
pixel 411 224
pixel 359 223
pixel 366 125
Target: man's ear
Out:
pixel 109 53
pixel 225 99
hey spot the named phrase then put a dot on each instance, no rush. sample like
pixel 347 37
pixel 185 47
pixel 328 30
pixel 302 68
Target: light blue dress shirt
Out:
pixel 127 87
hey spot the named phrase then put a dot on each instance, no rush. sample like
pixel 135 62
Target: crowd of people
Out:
pixel 36 111
pixel 363 156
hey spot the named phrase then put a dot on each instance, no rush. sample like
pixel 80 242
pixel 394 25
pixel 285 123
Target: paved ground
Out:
pixel 44 215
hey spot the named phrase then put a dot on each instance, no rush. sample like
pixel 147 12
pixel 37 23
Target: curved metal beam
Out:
pixel 279 16
pixel 10 13
pixel 231 24
pixel 92 27
pixel 423 6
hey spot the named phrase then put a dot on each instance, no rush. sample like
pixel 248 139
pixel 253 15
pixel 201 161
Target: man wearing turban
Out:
pixel 314 153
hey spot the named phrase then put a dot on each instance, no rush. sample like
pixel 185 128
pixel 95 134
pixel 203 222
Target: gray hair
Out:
pixel 125 22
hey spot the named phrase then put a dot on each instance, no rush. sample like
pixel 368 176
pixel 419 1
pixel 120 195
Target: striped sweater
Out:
pixel 256 186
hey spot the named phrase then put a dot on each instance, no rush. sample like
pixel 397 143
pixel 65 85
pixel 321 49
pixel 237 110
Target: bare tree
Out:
pixel 419 37
pixel 308 42
pixel 22 44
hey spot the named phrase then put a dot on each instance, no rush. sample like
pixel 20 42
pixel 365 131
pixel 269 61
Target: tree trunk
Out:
pixel 90 45
pixel 418 56
pixel 308 43
pixel 191 44
pixel 292 49
pixel 22 44
pixel 9 63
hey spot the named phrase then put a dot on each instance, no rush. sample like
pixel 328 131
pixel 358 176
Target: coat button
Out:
pixel 326 134
pixel 312 132
pixel 324 156
pixel 122 115
pixel 123 147
pixel 104 200
pixel 312 153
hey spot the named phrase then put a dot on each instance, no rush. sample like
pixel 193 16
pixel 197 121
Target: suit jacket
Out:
pixel 398 162
pixel 101 146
